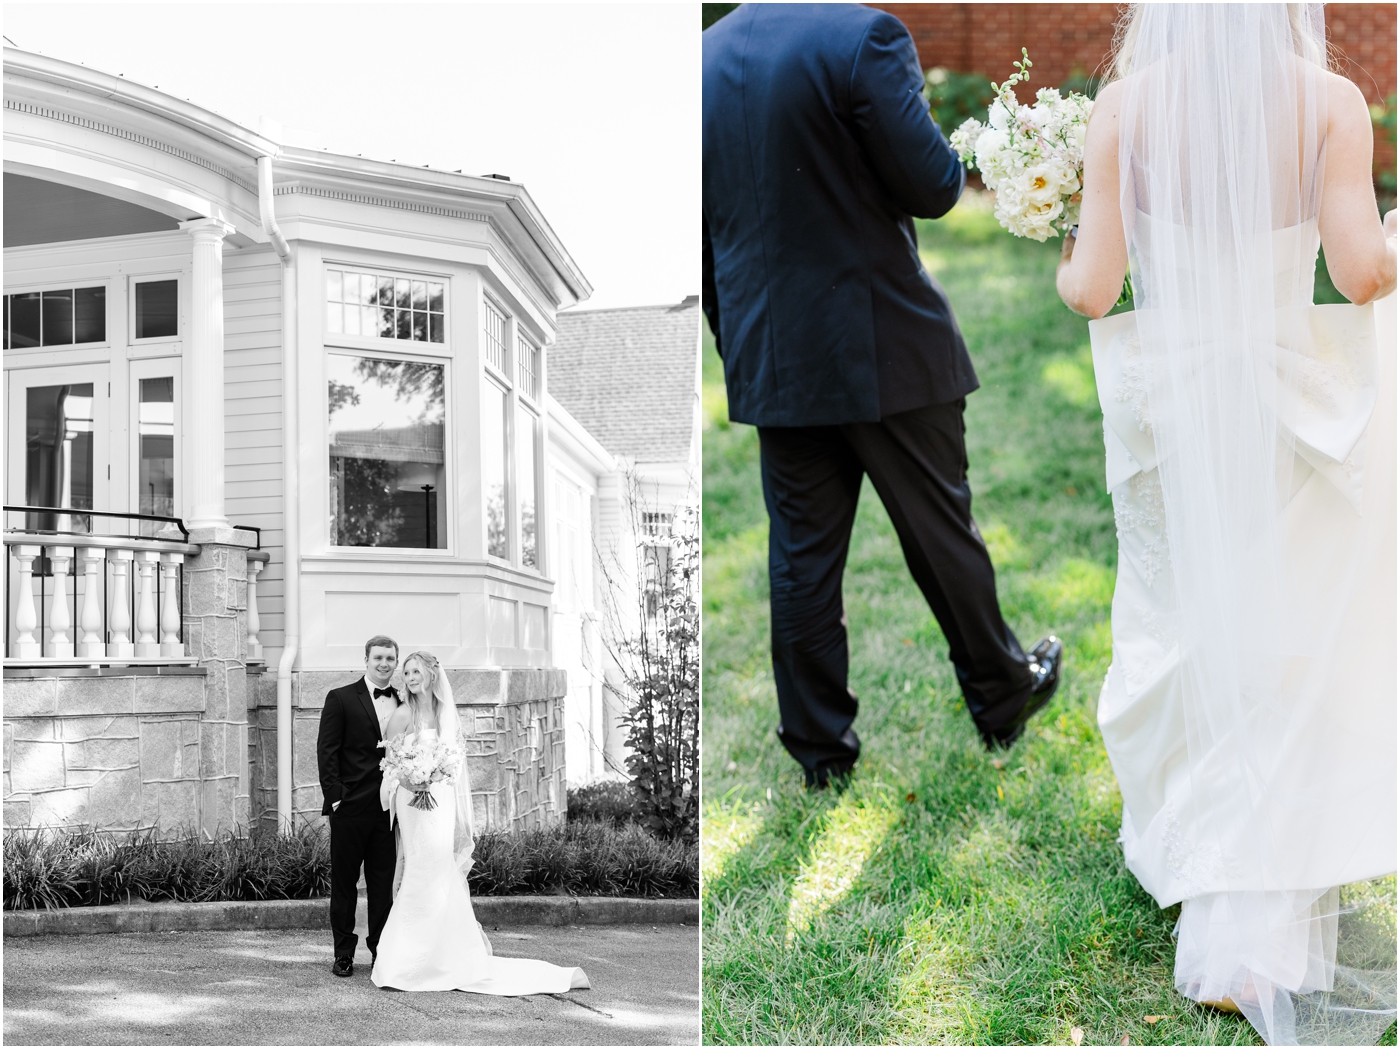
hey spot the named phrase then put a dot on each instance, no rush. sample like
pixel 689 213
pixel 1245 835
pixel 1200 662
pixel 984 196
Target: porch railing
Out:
pixel 77 598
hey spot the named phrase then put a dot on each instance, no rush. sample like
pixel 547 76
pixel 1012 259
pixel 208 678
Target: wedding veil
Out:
pixel 1222 152
pixel 449 729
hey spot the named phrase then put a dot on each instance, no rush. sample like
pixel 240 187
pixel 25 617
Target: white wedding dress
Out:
pixel 1266 934
pixel 432 940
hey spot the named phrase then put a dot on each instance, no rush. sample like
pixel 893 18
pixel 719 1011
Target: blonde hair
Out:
pixel 1125 35
pixel 432 670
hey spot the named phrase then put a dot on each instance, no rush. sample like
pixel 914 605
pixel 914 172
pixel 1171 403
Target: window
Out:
pixel 528 358
pixel 157 311
pixel 155 425
pixel 494 466
pixel 56 318
pixel 496 338
pixel 657 524
pixel 526 435
pixel 58 454
pixel 387 460
pixel 384 306
pixel 656 567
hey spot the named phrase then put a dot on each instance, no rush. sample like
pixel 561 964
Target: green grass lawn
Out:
pixel 948 896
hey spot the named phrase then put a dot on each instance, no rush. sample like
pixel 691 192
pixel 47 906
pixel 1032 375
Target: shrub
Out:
pixel 954 97
pixel 50 869
pixel 45 868
pixel 588 858
pixel 610 801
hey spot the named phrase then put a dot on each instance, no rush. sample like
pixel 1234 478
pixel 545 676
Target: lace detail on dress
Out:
pixel 1132 385
pixel 1141 506
pixel 1199 866
pixel 1332 366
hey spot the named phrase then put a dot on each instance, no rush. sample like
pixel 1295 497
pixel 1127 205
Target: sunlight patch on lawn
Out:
pixel 1073 378
pixel 1077 585
pixel 725 829
pixel 1005 549
pixel 715 406
pixel 934 261
pixel 932 996
pixel 730 565
pixel 850 834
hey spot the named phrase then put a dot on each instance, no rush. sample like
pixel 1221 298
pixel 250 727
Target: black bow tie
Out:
pixel 384 692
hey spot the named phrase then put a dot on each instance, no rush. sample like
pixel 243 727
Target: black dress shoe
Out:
pixel 343 967
pixel 1045 660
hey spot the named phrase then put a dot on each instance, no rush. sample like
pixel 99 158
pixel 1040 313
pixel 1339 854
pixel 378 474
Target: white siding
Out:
pixel 253 419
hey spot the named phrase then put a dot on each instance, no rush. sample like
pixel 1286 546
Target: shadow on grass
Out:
pixel 949 895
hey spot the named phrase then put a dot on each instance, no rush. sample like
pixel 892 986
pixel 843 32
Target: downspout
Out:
pixel 291 519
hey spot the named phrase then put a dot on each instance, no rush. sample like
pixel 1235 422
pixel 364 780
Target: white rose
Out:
pixel 1041 184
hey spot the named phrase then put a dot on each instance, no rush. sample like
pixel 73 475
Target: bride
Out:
pixel 432 941
pixel 1250 708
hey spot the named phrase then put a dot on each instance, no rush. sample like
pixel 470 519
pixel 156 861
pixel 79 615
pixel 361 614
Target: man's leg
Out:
pixel 918 463
pixel 380 858
pixel 811 484
pixel 348 832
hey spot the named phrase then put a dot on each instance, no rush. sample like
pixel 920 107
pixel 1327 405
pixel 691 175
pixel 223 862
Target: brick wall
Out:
pixel 1067 38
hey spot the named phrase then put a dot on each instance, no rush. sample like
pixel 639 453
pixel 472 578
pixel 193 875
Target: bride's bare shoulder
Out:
pixel 399 721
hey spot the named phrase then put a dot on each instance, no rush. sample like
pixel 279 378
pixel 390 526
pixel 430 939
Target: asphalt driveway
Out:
pixel 276 988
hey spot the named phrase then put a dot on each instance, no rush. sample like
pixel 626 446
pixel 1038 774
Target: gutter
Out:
pixel 291 517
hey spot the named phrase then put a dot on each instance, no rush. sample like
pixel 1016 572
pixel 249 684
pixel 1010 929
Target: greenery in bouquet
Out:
pixel 1030 156
pixel 418 759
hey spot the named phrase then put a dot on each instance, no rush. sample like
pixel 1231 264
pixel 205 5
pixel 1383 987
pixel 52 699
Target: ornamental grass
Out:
pixel 83 868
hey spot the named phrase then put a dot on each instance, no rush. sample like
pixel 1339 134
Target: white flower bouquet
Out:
pixel 413 758
pixel 1031 157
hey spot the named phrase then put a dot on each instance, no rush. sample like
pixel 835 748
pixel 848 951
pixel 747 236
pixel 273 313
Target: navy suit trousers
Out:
pixel 811 484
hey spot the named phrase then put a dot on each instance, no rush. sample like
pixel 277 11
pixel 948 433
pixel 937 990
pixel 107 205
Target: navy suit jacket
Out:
pixel 818 149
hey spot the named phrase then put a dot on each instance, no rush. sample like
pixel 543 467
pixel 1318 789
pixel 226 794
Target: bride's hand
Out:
pixel 1388 224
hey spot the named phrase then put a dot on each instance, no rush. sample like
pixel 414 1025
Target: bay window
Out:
pixel 387 452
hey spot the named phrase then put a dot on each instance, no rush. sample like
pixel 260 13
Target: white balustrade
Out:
pixel 92 578
pixel 90 641
pixel 60 622
pixel 170 643
pixel 255 652
pixel 26 618
pixel 146 643
pixel 120 647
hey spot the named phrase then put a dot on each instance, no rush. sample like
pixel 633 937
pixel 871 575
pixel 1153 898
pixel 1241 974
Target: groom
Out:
pixel 839 347
pixel 353 723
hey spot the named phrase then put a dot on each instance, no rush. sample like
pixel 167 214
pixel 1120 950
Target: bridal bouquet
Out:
pixel 1031 157
pixel 411 758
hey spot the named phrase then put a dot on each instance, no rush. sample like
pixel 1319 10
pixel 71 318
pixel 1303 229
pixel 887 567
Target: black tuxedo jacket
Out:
pixel 347 748
pixel 818 149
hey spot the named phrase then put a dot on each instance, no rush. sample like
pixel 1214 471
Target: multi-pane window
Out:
pixel 494 466
pixel 157 313
pixel 155 426
pixel 63 317
pixel 526 438
pixel 656 524
pixel 384 306
pixel 528 364
pixel 495 338
pixel 387 460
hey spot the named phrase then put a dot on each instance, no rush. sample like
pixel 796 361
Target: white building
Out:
pixel 335 372
pixel 631 378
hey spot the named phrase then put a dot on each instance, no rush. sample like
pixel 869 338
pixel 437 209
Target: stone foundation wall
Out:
pixel 115 749
pixel 513 720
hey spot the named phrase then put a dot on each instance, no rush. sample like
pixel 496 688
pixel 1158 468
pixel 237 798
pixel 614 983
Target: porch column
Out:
pixel 205 364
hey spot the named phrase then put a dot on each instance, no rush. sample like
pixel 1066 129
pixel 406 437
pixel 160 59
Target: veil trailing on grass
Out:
pixel 1251 394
